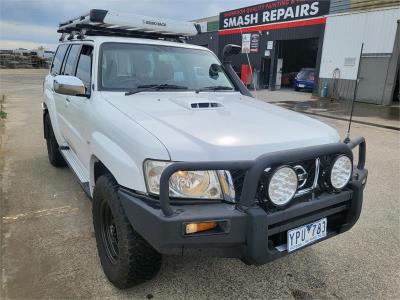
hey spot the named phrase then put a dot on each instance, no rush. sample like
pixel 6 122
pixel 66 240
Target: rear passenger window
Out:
pixel 83 70
pixel 69 68
pixel 58 59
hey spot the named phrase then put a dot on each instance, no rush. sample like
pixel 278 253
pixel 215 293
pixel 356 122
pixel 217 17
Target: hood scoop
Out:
pixel 192 103
pixel 200 105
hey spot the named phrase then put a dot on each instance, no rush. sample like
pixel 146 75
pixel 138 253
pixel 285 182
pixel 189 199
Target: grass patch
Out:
pixel 3 114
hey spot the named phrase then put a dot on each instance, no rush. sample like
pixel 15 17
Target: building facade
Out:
pixel 281 37
pixel 277 38
pixel 377 32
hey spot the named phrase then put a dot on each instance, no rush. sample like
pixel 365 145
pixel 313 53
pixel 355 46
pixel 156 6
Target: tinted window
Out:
pixel 58 59
pixel 69 68
pixel 83 70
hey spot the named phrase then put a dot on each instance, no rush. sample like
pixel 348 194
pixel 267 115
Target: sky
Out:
pixel 33 23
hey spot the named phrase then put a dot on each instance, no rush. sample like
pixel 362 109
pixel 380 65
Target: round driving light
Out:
pixel 282 186
pixel 341 172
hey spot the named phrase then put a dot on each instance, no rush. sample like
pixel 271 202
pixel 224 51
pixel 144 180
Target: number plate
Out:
pixel 301 85
pixel 307 234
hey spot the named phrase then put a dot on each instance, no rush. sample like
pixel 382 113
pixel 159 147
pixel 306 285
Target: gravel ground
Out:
pixel 48 248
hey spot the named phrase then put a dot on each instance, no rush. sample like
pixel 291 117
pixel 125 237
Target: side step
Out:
pixel 77 167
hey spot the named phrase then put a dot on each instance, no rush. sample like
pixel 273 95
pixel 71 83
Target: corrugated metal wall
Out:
pixel 345 33
pixel 340 6
pixel 206 39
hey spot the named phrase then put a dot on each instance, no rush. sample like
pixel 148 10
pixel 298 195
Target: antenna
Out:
pixel 347 139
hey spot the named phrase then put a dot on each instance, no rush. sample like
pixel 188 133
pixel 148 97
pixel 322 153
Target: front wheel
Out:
pixel 127 259
pixel 53 151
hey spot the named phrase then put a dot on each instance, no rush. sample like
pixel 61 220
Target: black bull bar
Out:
pixel 255 168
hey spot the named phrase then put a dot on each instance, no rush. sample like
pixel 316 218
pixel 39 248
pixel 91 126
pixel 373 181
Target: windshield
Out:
pixel 126 67
pixel 306 75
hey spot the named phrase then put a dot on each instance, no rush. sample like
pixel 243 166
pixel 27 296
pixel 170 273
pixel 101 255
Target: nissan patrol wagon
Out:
pixel 179 158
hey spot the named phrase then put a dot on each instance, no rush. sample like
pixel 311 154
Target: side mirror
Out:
pixel 69 85
pixel 230 50
pixel 214 70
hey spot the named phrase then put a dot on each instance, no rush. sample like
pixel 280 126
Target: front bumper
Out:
pixel 251 233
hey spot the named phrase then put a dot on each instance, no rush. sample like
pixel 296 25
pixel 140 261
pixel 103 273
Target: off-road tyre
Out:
pixel 133 260
pixel 53 151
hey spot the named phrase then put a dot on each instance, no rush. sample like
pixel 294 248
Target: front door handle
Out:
pixel 67 99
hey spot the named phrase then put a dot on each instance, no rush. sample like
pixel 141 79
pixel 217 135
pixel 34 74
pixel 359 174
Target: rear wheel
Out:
pixel 53 151
pixel 127 259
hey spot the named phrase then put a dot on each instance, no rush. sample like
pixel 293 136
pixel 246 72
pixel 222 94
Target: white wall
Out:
pixel 344 34
pixel 203 26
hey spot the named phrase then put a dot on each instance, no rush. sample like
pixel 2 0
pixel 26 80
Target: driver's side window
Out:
pixel 84 67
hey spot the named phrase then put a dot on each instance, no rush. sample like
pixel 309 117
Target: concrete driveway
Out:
pixel 48 247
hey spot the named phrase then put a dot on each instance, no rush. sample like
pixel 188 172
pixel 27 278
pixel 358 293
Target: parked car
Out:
pixel 305 79
pixel 288 79
pixel 179 158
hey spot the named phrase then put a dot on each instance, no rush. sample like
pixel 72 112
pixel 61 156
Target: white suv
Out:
pixel 179 158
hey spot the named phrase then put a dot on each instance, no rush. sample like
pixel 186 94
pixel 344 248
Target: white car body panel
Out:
pixel 122 131
pixel 243 128
pixel 51 106
pixel 121 145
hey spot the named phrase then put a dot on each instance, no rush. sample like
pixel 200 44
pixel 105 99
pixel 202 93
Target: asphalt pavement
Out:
pixel 305 102
pixel 48 247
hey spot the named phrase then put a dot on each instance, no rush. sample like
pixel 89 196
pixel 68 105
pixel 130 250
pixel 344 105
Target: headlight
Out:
pixel 282 186
pixel 188 184
pixel 341 172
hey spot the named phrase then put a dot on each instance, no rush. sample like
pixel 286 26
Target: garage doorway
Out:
pixel 265 72
pixel 296 54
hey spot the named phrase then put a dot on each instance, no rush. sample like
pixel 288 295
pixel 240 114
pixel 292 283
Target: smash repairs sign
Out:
pixel 272 12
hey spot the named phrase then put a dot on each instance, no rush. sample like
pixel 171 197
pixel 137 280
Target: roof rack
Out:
pixel 109 23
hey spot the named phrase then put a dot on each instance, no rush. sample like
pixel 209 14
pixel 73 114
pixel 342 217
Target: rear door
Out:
pixel 63 101
pixel 78 108
pixel 54 100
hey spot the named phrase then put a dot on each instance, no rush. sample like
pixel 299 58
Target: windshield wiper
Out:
pixel 215 88
pixel 155 87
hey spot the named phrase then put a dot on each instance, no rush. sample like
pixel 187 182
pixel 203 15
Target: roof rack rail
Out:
pixel 109 23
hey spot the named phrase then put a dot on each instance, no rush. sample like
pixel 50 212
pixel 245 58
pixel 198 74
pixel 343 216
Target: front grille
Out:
pixel 309 166
pixel 238 179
